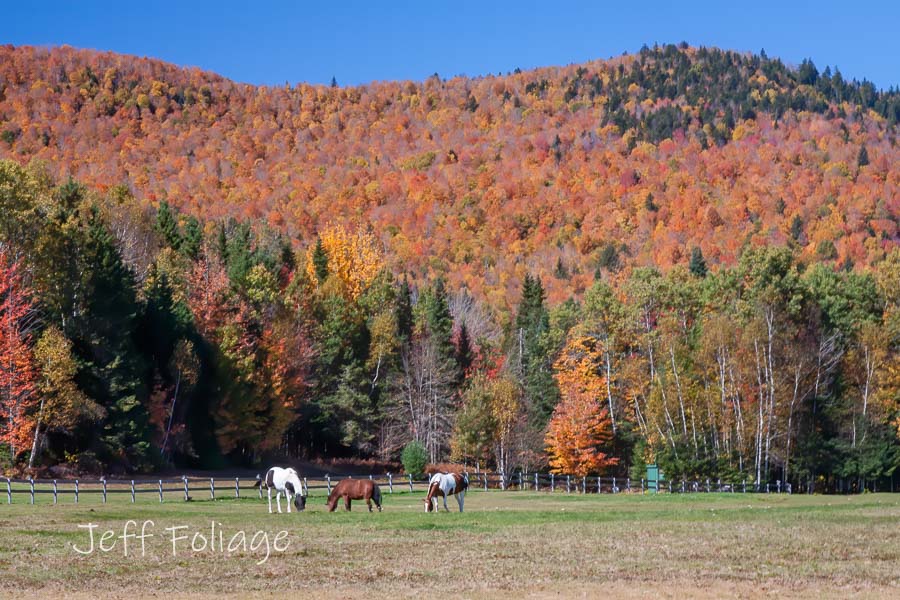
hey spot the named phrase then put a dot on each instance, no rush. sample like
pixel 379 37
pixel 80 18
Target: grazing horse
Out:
pixel 354 489
pixel 446 484
pixel 287 482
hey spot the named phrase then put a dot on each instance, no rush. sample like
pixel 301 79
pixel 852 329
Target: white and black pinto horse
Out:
pixel 287 482
pixel 446 484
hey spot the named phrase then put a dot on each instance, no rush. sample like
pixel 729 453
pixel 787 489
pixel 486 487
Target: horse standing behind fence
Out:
pixel 446 484
pixel 287 482
pixel 354 489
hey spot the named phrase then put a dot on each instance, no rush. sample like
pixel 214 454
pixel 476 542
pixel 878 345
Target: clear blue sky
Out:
pixel 356 42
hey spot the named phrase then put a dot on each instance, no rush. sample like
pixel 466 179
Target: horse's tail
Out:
pixel 376 495
pixel 465 482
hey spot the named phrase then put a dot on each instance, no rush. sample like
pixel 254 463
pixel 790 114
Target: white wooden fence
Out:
pixel 213 488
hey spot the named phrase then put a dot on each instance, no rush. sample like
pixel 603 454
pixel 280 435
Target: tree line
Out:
pixel 135 337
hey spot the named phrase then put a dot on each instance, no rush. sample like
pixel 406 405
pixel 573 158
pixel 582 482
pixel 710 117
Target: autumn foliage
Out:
pixel 18 375
pixel 580 429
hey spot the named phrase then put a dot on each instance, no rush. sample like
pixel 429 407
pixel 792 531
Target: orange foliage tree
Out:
pixel 18 374
pixel 580 426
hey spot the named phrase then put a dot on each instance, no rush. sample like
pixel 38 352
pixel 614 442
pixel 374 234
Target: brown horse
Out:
pixel 354 489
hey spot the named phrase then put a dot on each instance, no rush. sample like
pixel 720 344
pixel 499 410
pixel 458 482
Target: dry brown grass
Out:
pixel 507 545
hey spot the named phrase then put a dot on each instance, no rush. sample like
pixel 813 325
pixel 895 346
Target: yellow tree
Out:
pixel 62 404
pixel 353 258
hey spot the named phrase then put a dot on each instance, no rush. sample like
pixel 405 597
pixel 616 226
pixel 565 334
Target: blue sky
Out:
pixel 356 42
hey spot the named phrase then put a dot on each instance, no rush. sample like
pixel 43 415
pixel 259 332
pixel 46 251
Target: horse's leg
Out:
pixel 269 494
pixel 287 497
pixel 445 503
pixel 278 499
pixel 369 502
pixel 459 500
pixel 347 502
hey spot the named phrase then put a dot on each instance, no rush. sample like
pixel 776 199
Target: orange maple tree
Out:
pixel 580 426
pixel 18 375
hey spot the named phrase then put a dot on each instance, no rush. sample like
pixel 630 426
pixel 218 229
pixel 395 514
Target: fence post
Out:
pixel 212 489
pixel 132 491
pixel 788 488
pixel 502 480
pixel 76 491
pixel 707 485
pixel 410 482
pixel 719 484
pixel 568 484
pixel 8 492
pixel 305 487
pixel 537 483
pixel 184 479
pixel 55 499
pixel 31 482
pixel 521 485
pixel 552 483
pixel 328 483
pixel 778 486
pixel 745 485
pixel 584 484
pixel 642 485
pixel 237 488
pixel 682 486
pixel 160 491
pixel 484 476
pixel 614 489
pixel 103 482
pixel 598 485
pixel 628 484
pixel 670 486
pixel 259 485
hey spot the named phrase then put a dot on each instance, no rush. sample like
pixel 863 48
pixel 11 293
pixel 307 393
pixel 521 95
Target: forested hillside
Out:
pixel 684 255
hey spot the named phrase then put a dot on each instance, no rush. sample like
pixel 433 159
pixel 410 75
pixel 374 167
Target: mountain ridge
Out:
pixel 561 171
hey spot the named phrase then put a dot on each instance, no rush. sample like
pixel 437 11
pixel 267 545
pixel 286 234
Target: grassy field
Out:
pixel 506 544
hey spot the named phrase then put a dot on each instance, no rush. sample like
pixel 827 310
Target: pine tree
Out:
pixel 863 158
pixel 697 265
pixel 222 244
pixel 104 339
pixel 167 226
pixel 320 261
pixel 404 312
pixel 438 321
pixel 192 240
pixel 530 353
pixel 464 354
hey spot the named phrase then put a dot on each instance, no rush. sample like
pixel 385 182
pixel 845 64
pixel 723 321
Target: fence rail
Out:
pixel 213 488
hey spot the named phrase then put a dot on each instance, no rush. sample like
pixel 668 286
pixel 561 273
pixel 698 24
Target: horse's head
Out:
pixel 429 505
pixel 300 502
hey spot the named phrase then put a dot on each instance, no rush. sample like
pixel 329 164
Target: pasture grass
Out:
pixel 506 544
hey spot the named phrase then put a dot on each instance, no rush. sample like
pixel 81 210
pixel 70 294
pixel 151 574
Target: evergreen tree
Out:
pixel 698 263
pixel 320 261
pixel 167 226
pixel 438 320
pixel 105 340
pixel 464 354
pixel 863 158
pixel 222 243
pixel 404 312
pixel 531 353
pixel 192 239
